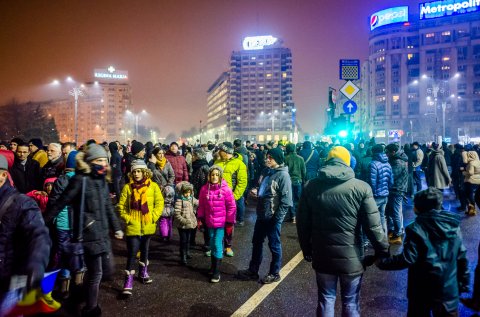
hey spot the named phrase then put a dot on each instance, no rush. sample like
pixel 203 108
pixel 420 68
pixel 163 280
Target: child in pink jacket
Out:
pixel 216 207
pixel 41 197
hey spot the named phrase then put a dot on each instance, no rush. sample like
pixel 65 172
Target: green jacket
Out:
pixel 296 167
pixel 138 224
pixel 332 210
pixel 436 259
pixel 235 174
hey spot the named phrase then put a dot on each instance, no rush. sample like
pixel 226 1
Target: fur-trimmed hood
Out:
pixel 182 187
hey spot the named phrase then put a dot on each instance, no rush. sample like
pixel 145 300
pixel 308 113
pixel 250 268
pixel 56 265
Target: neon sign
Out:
pixel 258 42
pixel 389 16
pixel 110 73
pixel 438 9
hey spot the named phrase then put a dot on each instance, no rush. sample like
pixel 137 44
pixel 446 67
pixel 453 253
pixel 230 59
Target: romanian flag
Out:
pixel 38 300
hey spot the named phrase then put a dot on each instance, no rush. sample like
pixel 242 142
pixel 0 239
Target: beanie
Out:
pixel 277 155
pixel 340 153
pixel 377 148
pixel 392 147
pixel 226 147
pixel 428 199
pixel 71 160
pixel 290 148
pixel 37 142
pixel 137 147
pixel 200 153
pixel 138 164
pixel 95 151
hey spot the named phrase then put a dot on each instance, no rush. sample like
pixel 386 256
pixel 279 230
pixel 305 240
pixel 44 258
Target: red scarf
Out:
pixel 138 200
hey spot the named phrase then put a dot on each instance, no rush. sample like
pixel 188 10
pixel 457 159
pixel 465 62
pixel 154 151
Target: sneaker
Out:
pixel 229 252
pixel 395 240
pixel 240 224
pixel 271 278
pixel 294 220
pixel 215 278
pixel 247 275
pixel 208 253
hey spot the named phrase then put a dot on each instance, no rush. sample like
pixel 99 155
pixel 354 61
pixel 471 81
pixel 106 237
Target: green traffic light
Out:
pixel 343 133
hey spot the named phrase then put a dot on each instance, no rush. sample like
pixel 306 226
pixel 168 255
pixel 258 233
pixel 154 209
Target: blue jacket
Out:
pixel 313 163
pixel 275 195
pixel 381 176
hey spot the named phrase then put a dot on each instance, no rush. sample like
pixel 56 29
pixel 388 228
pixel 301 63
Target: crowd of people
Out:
pixel 343 199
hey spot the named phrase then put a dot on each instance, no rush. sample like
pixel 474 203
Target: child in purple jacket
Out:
pixel 216 207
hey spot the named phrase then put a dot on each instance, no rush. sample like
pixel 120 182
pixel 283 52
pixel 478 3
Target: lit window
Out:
pixel 446 33
pixel 284 75
pixel 395 98
pixel 410 56
pixel 429 35
pixel 269 75
pixel 446 58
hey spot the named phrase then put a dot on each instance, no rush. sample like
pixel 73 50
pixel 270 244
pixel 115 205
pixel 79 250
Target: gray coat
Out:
pixel 437 172
pixel 332 209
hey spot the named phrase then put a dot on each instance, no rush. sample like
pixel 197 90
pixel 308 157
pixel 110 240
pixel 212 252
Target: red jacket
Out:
pixel 216 205
pixel 179 166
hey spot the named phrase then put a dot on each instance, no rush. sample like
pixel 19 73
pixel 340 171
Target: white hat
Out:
pixel 138 164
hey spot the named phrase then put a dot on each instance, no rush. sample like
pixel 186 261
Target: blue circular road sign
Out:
pixel 350 107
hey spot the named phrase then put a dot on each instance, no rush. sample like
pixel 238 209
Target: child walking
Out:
pixel 216 208
pixel 166 220
pixel 185 217
pixel 140 206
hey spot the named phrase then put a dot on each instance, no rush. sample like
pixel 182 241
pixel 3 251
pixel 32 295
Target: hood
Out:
pixel 113 147
pixel 400 155
pixel 183 186
pixel 437 152
pixel 381 157
pixel 472 156
pixel 49 180
pixel 439 224
pixel 335 172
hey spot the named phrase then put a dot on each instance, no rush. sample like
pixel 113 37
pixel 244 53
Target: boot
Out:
pixel 64 287
pixel 189 256
pixel 143 273
pixel 94 312
pixel 128 284
pixel 216 270
pixel 471 211
pixel 212 266
pixel 183 257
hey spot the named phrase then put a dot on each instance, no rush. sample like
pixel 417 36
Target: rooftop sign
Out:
pixel 258 42
pixel 438 9
pixel 110 73
pixel 389 16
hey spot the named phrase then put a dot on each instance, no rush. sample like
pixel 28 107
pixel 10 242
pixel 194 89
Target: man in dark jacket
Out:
pixel 24 240
pixel 333 209
pixel 55 164
pixel 116 166
pixel 298 174
pixel 311 158
pixel 457 177
pixel 398 161
pixel 274 201
pixel 435 256
pixel 381 180
pixel 25 172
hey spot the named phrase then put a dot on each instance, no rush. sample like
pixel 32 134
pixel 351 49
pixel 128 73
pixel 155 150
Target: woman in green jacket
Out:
pixel 140 206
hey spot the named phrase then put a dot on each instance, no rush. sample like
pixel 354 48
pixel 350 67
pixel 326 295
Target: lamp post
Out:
pixel 200 138
pixel 136 115
pixel 411 131
pixel 76 92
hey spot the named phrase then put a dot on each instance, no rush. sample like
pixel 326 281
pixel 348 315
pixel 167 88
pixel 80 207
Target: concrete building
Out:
pixel 253 99
pixel 424 73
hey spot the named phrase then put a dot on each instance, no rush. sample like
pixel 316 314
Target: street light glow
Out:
pixel 55 82
pixel 70 79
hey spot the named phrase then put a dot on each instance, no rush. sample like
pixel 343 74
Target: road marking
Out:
pixel 252 303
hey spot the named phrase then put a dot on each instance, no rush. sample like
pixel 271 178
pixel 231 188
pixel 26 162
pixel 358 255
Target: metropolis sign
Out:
pixel 258 42
pixel 438 9
pixel 389 16
pixel 110 73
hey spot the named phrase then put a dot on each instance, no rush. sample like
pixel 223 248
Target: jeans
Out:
pixel 216 241
pixel 93 278
pixel 296 194
pixel 394 213
pixel 382 204
pixel 327 293
pixel 240 209
pixel 272 230
pixel 417 181
pixel 135 244
pixel 116 187
pixel 470 190
pixel 184 240
pixel 63 240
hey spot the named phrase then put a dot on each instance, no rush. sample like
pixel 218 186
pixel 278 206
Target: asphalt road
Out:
pixel 186 291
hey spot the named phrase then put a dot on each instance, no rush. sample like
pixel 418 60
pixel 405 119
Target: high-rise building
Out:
pixel 101 112
pixel 253 99
pixel 424 72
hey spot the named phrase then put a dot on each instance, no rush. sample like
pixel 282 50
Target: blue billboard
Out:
pixel 438 9
pixel 389 16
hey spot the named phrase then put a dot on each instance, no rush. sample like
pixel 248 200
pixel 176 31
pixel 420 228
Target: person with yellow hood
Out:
pixel 140 206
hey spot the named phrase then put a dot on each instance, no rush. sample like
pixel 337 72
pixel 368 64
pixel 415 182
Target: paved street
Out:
pixel 186 291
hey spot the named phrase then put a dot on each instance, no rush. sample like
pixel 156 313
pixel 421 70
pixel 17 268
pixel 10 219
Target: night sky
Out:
pixel 174 50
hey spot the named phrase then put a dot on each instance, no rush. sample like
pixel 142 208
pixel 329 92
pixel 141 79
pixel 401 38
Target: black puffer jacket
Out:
pixel 24 239
pixel 399 164
pixel 436 259
pixel 199 175
pixel 333 208
pixel 98 215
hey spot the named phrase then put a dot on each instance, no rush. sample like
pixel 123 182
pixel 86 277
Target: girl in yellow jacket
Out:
pixel 140 206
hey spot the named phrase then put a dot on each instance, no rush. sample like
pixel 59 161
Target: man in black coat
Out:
pixel 24 240
pixel 25 172
pixel 55 164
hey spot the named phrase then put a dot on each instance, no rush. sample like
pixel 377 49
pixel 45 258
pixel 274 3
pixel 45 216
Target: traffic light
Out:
pixel 343 133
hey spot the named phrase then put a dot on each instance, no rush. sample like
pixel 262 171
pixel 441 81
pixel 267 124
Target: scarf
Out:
pixel 161 163
pixel 99 170
pixel 138 200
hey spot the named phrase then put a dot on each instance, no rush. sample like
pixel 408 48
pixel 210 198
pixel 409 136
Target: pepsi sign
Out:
pixel 389 16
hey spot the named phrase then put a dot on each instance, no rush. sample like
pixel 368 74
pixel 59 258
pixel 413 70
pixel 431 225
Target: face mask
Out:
pixel 99 169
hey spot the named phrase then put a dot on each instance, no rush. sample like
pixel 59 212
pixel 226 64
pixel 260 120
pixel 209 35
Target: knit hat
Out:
pixel 200 153
pixel 3 163
pixel 377 148
pixel 277 155
pixel 138 164
pixel 226 147
pixel 95 151
pixel 428 199
pixel 37 142
pixel 341 153
pixel 71 160
pixel 290 148
pixel 392 147
pixel 137 147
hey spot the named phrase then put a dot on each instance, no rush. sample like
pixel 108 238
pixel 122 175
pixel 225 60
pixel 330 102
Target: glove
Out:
pixel 307 258
pixel 119 234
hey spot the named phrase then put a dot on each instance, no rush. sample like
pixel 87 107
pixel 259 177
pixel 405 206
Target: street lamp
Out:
pixel 136 115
